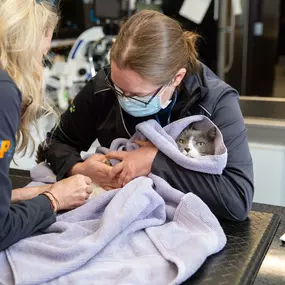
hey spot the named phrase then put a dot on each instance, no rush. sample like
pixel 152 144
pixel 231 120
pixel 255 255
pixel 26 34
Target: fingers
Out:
pixel 126 176
pixel 88 180
pixel 87 194
pixel 89 189
pixel 127 179
pixel 120 155
pixel 140 143
pixel 116 170
pixel 105 168
pixel 107 188
pixel 143 143
pixel 122 177
pixel 97 157
pixel 112 183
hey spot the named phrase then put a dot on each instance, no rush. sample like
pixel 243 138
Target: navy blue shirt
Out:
pixel 20 220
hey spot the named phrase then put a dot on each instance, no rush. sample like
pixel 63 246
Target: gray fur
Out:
pixel 202 141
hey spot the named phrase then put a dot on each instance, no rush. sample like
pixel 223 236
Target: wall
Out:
pixel 267 146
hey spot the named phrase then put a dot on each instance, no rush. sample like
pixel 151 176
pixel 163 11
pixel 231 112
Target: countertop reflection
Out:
pixel 272 271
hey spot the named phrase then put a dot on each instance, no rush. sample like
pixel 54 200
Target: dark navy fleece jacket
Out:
pixel 21 220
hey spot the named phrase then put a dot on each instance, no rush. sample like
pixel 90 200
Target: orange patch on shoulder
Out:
pixel 4 147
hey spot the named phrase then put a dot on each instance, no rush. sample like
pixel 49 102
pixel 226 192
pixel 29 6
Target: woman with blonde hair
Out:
pixel 26 28
pixel 155 74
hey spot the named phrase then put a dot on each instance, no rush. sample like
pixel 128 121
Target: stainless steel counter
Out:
pixel 263 107
pixel 264 119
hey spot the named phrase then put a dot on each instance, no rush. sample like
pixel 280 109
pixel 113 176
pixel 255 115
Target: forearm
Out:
pixel 74 134
pixel 23 219
pixel 22 194
pixel 61 157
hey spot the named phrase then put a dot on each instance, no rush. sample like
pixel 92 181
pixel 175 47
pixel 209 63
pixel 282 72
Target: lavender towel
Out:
pixel 136 235
pixel 145 233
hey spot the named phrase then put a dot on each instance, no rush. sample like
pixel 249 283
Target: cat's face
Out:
pixel 195 143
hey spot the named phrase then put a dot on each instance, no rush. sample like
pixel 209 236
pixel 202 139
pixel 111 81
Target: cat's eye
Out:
pixel 200 143
pixel 181 141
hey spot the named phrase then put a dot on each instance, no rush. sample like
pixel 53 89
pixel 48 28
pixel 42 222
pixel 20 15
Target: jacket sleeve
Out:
pixel 228 195
pixel 20 220
pixel 73 134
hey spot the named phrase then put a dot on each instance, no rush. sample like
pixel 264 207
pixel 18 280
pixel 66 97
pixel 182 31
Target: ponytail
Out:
pixel 190 41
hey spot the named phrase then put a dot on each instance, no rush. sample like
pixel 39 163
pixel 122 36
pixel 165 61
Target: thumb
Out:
pixel 120 155
pixel 97 157
pixel 143 143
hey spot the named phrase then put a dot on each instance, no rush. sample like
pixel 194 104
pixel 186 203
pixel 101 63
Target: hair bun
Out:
pixel 190 40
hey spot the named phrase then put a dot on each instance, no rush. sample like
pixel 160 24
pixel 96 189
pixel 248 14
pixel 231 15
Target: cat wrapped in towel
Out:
pixel 193 142
pixel 205 139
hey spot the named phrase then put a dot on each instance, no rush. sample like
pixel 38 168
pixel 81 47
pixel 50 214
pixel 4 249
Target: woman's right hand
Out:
pixel 72 192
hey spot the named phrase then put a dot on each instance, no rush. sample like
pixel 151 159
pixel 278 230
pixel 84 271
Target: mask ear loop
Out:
pixel 170 109
pixel 165 88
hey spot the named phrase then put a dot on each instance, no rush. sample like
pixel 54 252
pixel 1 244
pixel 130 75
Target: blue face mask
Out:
pixel 139 109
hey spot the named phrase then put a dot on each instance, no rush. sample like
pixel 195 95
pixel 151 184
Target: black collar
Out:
pixel 192 90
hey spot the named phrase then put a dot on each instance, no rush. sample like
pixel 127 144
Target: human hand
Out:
pixel 99 172
pixel 134 163
pixel 72 192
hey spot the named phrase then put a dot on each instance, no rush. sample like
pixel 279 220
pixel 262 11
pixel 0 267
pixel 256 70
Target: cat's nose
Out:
pixel 187 149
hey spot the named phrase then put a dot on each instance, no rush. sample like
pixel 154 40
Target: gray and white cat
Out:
pixel 195 143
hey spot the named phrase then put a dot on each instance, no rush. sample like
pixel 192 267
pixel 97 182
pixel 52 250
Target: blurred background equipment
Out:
pixel 255 48
pixel 239 38
pixel 87 54
pixel 65 78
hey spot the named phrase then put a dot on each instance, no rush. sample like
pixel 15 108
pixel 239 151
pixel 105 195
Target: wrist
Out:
pixel 53 201
pixel 76 169
pixel 27 193
pixel 156 161
pixel 16 196
pixel 153 154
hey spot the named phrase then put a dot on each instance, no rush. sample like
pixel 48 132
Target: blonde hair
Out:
pixel 23 26
pixel 155 46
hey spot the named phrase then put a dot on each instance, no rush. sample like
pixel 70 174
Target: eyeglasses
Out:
pixel 121 93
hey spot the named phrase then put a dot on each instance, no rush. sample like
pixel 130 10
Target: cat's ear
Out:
pixel 192 127
pixel 212 133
